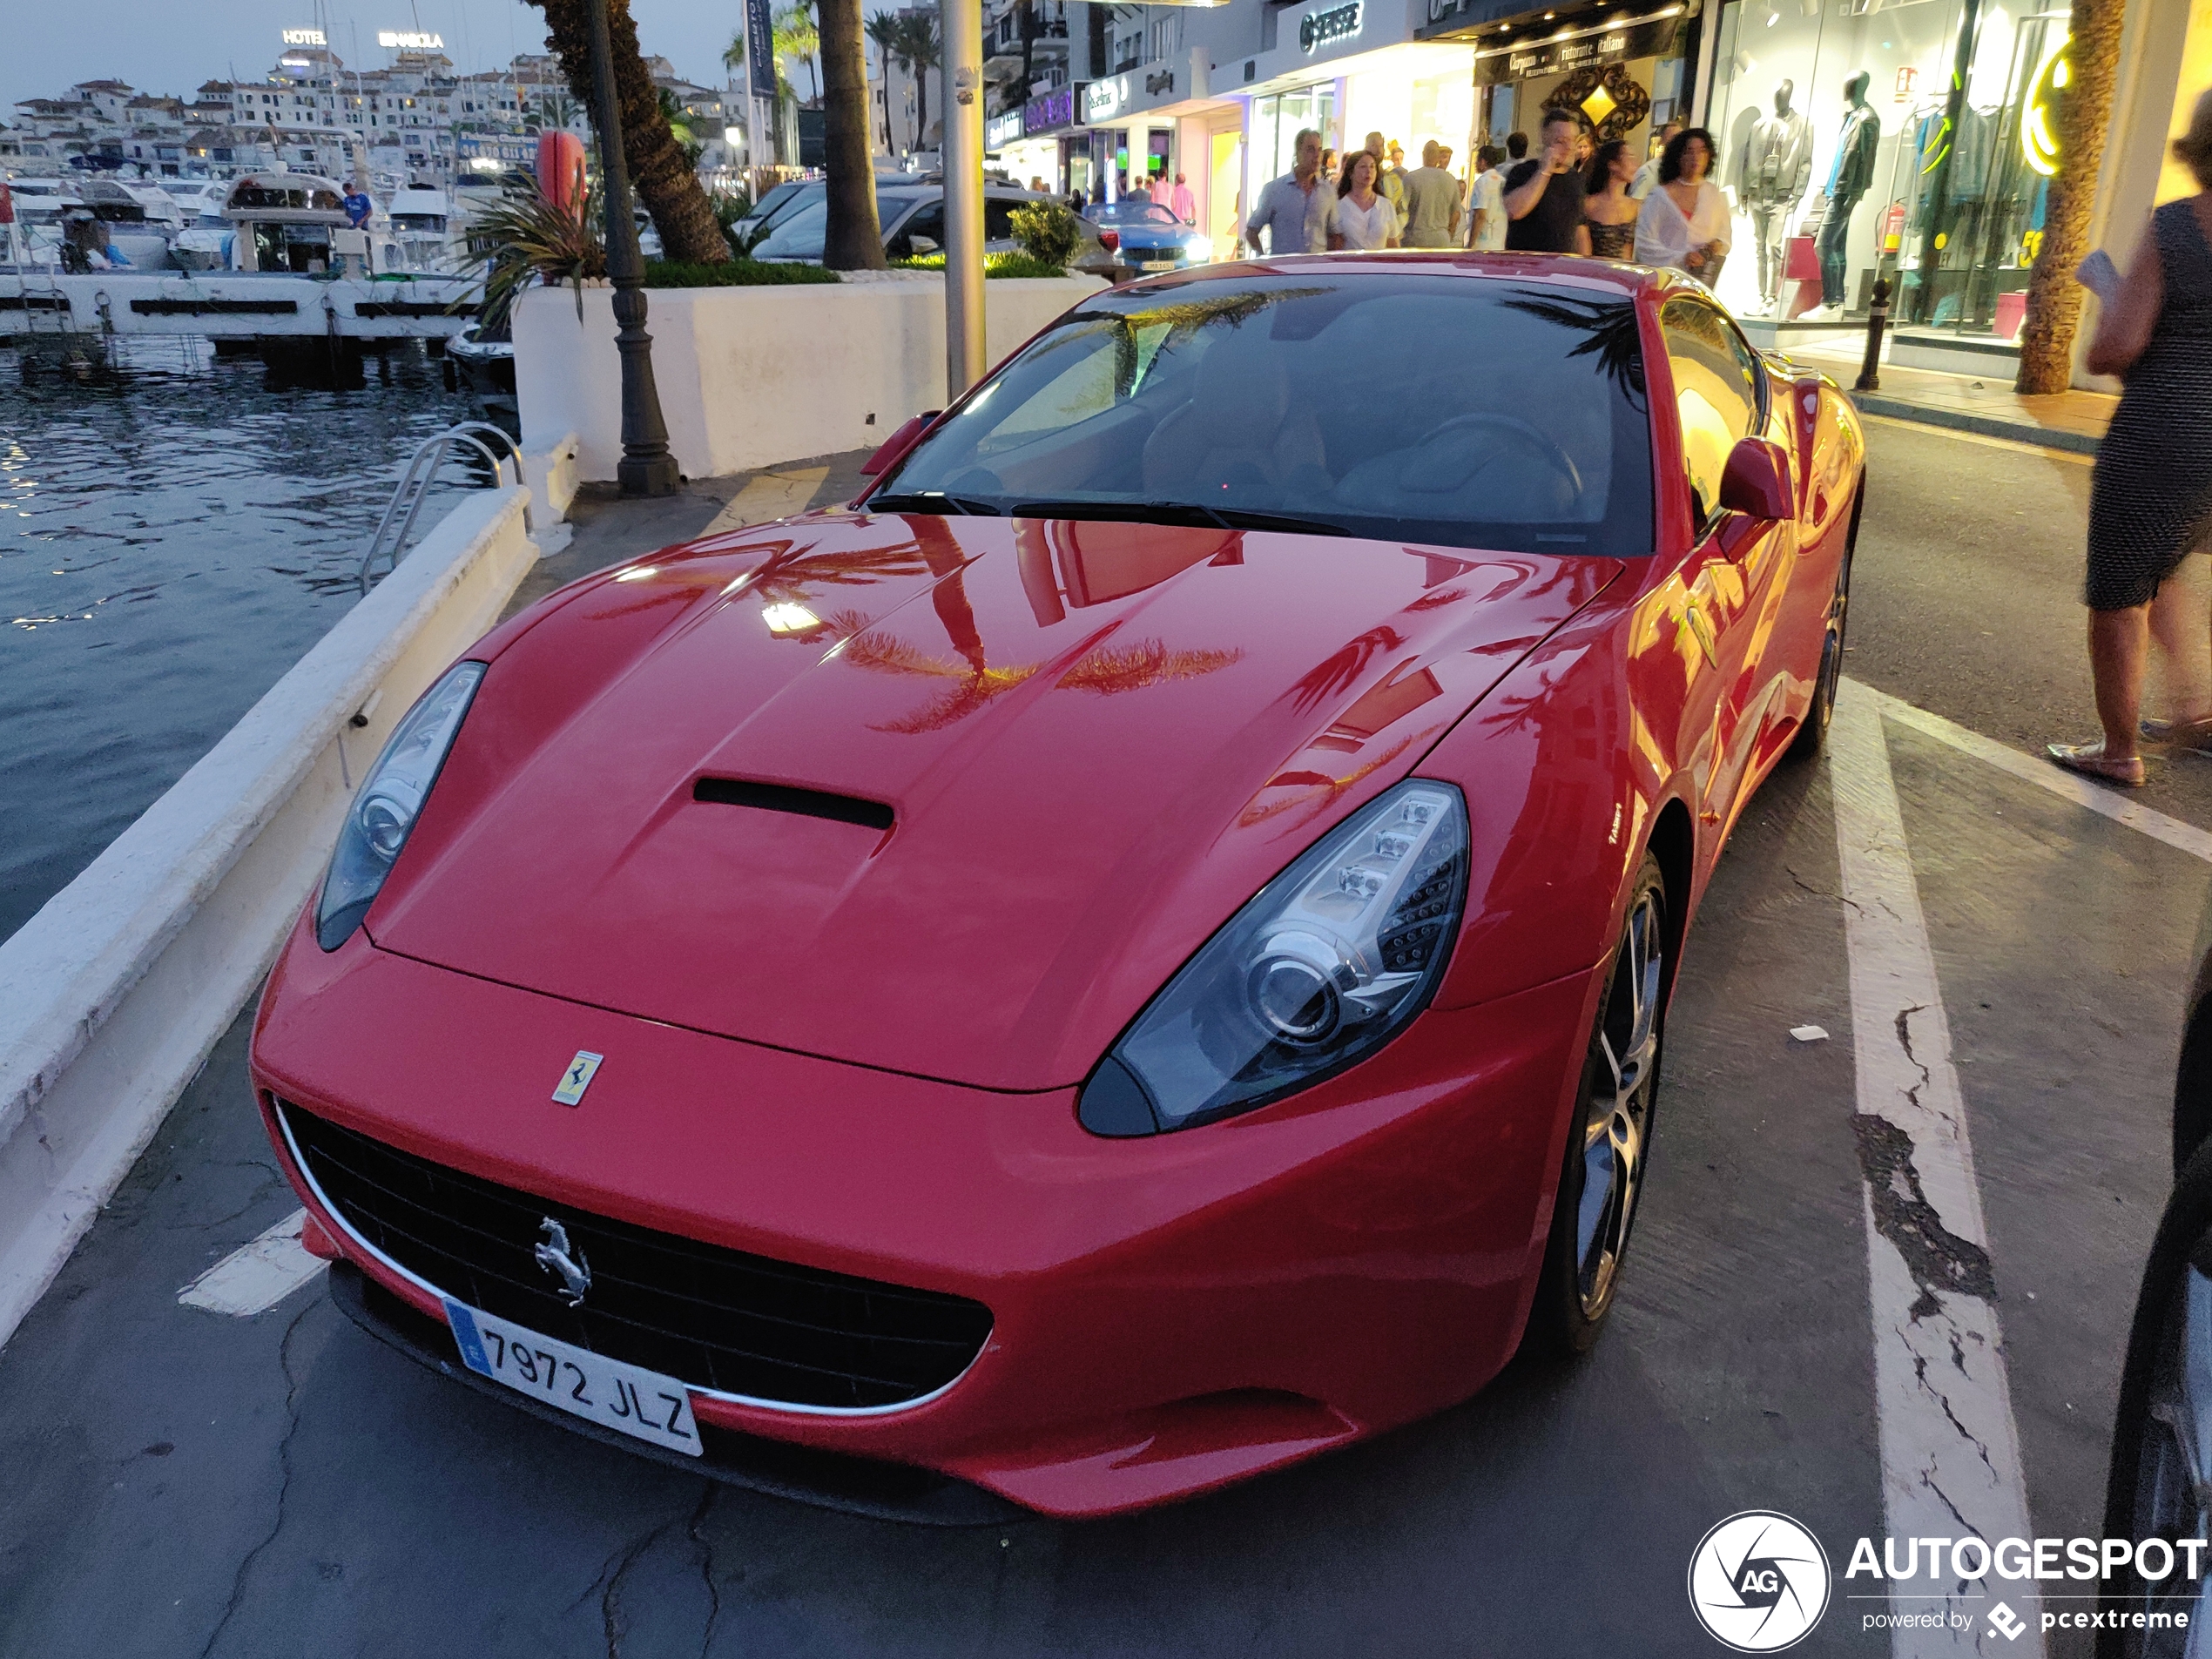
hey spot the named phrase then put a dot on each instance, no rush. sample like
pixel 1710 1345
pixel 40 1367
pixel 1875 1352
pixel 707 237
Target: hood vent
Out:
pixel 783 797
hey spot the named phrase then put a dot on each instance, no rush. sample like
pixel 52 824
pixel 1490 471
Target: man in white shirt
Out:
pixel 1486 202
pixel 1295 210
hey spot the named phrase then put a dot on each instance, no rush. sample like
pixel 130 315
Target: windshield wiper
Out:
pixel 1174 512
pixel 933 501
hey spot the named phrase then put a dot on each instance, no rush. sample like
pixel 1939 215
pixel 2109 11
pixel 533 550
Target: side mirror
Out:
pixel 1756 482
pixel 923 246
pixel 893 448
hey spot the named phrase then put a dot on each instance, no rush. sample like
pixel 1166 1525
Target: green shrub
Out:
pixel 736 273
pixel 994 265
pixel 1050 233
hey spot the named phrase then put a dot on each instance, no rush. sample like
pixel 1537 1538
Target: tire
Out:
pixel 1813 734
pixel 1609 1141
pixel 2148 1490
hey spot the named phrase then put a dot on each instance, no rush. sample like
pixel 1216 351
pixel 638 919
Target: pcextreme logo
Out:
pixel 1758 1581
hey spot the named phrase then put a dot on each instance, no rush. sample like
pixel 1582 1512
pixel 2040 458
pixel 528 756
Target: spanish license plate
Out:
pixel 587 1384
pixel 1156 264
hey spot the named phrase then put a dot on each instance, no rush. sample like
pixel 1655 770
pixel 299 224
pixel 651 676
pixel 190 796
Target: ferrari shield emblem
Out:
pixel 578 1077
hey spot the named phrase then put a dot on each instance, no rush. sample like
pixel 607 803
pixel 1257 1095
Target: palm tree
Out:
pixel 2054 297
pixel 882 28
pixel 663 178
pixel 735 56
pixel 554 112
pixel 797 35
pixel 853 236
pixel 919 52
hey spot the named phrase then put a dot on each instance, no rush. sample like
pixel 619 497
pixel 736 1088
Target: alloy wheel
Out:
pixel 2173 1485
pixel 1618 1120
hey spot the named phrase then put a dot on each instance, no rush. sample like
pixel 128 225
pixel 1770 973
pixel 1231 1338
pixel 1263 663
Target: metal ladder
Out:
pixel 390 542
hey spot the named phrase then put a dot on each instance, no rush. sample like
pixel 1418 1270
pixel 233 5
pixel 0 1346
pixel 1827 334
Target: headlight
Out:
pixel 383 813
pixel 1330 962
pixel 1201 250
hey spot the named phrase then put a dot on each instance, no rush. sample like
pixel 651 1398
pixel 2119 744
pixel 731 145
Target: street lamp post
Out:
pixel 646 466
pixel 961 29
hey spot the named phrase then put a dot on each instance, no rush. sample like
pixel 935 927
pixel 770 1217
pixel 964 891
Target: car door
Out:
pixel 998 223
pixel 928 221
pixel 1733 578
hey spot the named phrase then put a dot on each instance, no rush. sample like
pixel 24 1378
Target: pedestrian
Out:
pixel 1544 194
pixel 2150 496
pixel 1139 192
pixel 1516 146
pixel 1684 222
pixel 1364 217
pixel 1432 201
pixel 1295 210
pixel 1585 145
pixel 1182 203
pixel 1486 202
pixel 1607 206
pixel 1389 180
pixel 1646 178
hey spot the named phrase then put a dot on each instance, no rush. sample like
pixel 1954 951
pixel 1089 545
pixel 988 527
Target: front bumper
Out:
pixel 1170 1314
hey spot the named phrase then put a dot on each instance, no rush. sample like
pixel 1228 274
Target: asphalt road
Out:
pixel 181 1482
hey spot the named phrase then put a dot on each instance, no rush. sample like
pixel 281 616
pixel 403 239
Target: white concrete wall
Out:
pixel 754 377
pixel 112 996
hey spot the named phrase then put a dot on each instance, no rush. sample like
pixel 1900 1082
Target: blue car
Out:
pixel 1143 234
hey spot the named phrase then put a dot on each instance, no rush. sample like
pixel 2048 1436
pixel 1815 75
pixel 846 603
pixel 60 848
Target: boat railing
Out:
pixel 390 541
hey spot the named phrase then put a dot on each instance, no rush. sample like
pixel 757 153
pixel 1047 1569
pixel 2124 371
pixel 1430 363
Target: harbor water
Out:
pixel 174 535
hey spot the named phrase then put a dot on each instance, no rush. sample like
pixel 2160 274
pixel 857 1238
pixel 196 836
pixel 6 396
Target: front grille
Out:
pixel 714 1318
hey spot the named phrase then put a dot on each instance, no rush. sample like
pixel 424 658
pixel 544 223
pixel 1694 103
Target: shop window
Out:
pixel 1719 390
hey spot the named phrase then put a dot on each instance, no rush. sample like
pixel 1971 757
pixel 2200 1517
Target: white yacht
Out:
pixel 421 224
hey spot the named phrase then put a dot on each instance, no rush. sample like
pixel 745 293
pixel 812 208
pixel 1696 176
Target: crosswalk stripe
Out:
pixel 256 1277
pixel 2097 798
pixel 1951 1459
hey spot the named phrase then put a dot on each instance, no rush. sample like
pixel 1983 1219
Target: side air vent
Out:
pixel 782 798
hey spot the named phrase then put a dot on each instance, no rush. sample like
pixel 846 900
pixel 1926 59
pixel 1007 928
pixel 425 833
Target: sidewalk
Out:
pixel 610 528
pixel 2074 421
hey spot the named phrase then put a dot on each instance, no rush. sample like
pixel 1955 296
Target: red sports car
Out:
pixel 1132 954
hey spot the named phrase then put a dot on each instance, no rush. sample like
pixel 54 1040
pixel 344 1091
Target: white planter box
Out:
pixel 753 377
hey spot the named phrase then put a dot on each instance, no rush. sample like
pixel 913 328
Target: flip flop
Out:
pixel 2182 734
pixel 2088 760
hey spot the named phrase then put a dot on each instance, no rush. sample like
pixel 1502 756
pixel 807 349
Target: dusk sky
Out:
pixel 170 46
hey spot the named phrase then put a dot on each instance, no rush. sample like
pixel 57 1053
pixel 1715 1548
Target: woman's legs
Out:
pixel 2178 624
pixel 2119 642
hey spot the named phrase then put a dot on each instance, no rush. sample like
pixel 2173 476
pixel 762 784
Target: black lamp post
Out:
pixel 646 467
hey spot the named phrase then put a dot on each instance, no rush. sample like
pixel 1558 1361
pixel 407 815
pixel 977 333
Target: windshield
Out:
pixel 1128 213
pixel 1451 410
pixel 799 235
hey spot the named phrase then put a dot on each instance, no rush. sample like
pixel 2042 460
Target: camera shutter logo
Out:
pixel 1758 1581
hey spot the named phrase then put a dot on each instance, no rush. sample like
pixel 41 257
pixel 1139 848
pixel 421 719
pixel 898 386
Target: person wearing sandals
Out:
pixel 1606 202
pixel 2150 497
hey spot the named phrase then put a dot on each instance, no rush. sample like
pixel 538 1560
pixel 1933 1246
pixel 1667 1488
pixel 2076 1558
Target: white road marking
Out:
pixel 258 1276
pixel 769 494
pixel 2097 798
pixel 1951 1459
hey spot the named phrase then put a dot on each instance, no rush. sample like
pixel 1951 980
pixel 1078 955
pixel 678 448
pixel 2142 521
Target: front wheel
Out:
pixel 1609 1144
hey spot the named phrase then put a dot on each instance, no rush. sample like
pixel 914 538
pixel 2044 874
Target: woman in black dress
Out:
pixel 2150 501
pixel 1606 205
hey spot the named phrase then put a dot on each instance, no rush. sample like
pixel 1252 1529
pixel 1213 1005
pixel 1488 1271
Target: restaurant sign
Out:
pixel 1649 38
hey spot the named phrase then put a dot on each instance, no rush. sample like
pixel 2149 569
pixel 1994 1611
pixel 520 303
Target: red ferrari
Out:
pixel 1136 952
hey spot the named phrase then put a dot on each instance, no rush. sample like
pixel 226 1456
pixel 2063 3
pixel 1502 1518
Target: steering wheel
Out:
pixel 1517 431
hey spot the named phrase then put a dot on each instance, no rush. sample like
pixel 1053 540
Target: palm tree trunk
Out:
pixel 853 236
pixel 2054 297
pixel 663 180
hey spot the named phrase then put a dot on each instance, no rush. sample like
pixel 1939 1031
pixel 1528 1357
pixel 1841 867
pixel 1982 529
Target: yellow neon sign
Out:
pixel 2047 90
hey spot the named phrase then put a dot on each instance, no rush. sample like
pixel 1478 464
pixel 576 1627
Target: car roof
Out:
pixel 1562 270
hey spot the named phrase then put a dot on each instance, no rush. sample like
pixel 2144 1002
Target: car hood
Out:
pixel 1093 741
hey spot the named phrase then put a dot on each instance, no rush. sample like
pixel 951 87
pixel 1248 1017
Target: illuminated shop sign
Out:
pixel 1569 49
pixel 2045 98
pixel 410 42
pixel 1317 28
pixel 1049 109
pixel 1002 129
pixel 1102 100
pixel 304 37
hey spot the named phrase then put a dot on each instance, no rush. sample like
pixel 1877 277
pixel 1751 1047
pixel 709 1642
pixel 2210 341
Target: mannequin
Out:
pixel 1772 170
pixel 1847 181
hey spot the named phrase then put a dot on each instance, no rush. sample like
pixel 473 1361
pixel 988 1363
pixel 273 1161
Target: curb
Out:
pixel 1988 426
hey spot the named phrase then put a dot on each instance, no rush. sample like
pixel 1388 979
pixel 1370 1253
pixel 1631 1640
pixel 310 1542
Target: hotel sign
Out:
pixel 410 42
pixel 304 37
pixel 1050 110
pixel 1002 129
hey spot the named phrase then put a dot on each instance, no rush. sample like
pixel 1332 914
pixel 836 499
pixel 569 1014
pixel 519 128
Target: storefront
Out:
pixel 1861 140
pixel 1008 149
pixel 1057 149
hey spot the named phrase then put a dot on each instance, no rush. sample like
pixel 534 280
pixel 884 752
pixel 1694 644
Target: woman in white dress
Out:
pixel 1363 217
pixel 1684 221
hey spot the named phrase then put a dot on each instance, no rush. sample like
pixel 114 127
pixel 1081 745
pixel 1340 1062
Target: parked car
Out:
pixel 1134 954
pixel 1143 235
pixel 913 217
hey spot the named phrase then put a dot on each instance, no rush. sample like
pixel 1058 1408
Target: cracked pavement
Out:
pixel 184 1483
